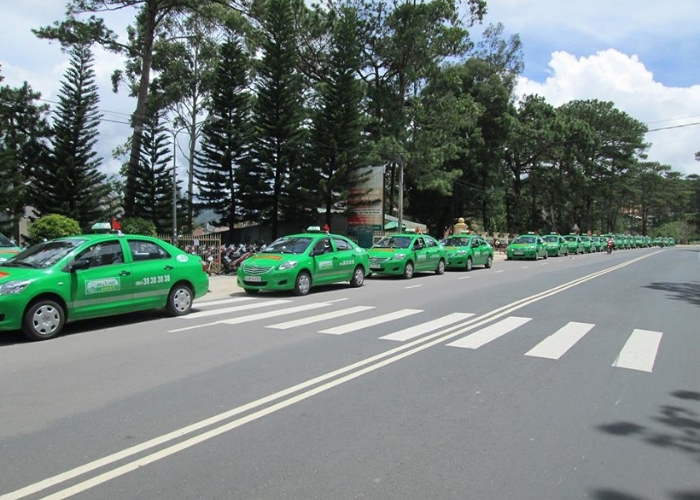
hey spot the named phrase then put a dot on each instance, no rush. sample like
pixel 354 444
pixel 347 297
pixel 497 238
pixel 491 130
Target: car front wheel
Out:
pixel 302 284
pixel 180 300
pixel 43 319
pixel 358 277
pixel 489 262
pixel 408 270
pixel 441 267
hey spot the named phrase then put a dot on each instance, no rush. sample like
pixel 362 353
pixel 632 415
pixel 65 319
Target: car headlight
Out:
pixel 399 256
pixel 290 264
pixel 13 287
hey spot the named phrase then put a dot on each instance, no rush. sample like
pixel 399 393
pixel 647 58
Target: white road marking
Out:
pixel 320 317
pixel 207 303
pixel 639 352
pixel 254 317
pixel 377 320
pixel 501 271
pixel 273 314
pixel 328 381
pixel 429 326
pixel 554 346
pixel 218 312
pixel 526 267
pixel 413 286
pixel 490 333
pixel 464 277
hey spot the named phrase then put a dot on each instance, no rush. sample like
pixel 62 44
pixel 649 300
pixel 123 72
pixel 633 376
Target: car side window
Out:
pixel 322 246
pixel 431 243
pixel 103 254
pixel 146 250
pixel 341 244
pixel 418 244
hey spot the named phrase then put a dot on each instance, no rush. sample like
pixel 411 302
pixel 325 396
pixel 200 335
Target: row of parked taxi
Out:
pixel 533 246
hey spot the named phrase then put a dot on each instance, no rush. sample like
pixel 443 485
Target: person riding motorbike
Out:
pixel 610 244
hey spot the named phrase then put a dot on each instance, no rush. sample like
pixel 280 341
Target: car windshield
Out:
pixel 570 238
pixel 455 241
pixel 527 240
pixel 394 242
pixel 5 242
pixel 288 245
pixel 551 239
pixel 44 254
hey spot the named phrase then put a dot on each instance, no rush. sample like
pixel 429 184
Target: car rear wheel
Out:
pixel 43 319
pixel 441 267
pixel 408 270
pixel 302 284
pixel 180 300
pixel 358 277
pixel 489 262
pixel 470 264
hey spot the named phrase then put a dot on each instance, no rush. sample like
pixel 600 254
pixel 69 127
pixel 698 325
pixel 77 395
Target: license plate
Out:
pixel 375 266
pixel 518 253
pixel 253 278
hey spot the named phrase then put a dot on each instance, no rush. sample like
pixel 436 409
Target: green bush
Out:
pixel 137 225
pixel 53 226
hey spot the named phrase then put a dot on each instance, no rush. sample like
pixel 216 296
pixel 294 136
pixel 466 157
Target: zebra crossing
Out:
pixel 638 353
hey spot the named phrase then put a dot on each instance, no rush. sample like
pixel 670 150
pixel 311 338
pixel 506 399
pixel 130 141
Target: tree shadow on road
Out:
pixel 687 292
pixel 679 429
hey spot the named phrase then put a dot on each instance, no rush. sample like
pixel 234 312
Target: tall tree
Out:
pixel 24 133
pixel 278 116
pixel 226 135
pixel 337 148
pixel 156 190
pixel 151 15
pixel 71 183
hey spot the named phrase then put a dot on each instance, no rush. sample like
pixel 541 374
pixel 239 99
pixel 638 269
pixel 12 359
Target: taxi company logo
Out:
pixel 2 274
pixel 102 286
pixel 273 257
pixel 182 258
pixel 324 264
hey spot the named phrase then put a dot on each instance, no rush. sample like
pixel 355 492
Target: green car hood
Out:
pixel 19 274
pixel 271 259
pixel 387 252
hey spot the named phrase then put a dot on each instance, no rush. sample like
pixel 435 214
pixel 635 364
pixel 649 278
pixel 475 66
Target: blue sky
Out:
pixel 643 55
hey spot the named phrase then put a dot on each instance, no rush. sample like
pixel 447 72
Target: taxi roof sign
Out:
pixel 101 227
pixel 313 229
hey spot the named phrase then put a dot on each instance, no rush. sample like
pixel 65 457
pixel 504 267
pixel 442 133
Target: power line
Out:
pixel 674 126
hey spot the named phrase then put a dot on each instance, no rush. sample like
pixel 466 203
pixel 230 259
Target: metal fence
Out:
pixel 207 246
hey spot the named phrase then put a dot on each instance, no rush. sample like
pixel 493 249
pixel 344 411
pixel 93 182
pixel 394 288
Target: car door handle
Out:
pixel 124 273
pixel 169 267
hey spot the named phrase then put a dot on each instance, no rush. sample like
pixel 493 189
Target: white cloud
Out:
pixel 624 80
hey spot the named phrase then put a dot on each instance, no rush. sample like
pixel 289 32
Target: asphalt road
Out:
pixel 565 378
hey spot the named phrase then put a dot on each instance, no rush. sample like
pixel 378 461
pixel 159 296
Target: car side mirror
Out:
pixel 79 265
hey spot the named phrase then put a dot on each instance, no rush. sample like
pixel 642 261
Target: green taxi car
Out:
pixel 587 243
pixel 465 251
pixel 556 245
pixel 94 275
pixel 7 248
pixel 298 262
pixel 404 254
pixel 574 243
pixel 527 246
pixel 598 243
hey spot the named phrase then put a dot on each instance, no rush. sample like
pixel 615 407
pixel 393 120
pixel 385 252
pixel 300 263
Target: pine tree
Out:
pixel 23 145
pixel 155 184
pixel 226 135
pixel 337 127
pixel 71 183
pixel 278 115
